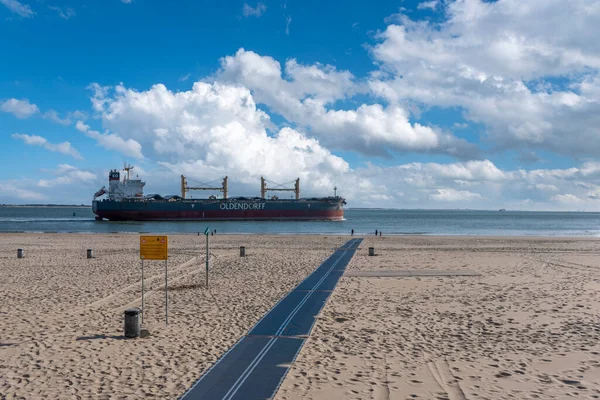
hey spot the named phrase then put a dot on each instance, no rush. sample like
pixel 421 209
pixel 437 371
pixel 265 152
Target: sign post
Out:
pixel 143 308
pixel 155 248
pixel 206 234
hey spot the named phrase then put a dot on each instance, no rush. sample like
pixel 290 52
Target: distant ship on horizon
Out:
pixel 125 201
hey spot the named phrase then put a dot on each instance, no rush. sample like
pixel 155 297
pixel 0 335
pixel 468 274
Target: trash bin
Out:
pixel 132 322
pixel 371 251
pixel 20 253
pixel 90 253
pixel 242 251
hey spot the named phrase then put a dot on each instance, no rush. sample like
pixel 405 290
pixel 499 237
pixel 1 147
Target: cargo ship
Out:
pixel 125 201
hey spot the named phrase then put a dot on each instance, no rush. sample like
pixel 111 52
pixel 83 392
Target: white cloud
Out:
pixel 215 129
pixel 54 117
pixel 498 62
pixel 111 141
pixel 257 11
pixel 21 9
pixel 127 1
pixel 546 187
pixel 10 192
pixel 305 98
pixel 65 13
pixel 99 95
pixel 568 199
pixel 19 108
pixel 185 78
pixel 78 114
pixel 428 5
pixel 453 195
pixel 34 140
pixel 67 174
pixel 288 22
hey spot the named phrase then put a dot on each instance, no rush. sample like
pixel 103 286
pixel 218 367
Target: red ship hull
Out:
pixel 229 215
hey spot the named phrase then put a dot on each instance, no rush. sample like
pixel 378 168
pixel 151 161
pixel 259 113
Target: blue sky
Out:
pixel 400 103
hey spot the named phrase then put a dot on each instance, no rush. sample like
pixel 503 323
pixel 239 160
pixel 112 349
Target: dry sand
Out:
pixel 61 315
pixel 528 328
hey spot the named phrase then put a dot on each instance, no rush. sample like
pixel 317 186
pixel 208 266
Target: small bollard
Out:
pixel 242 251
pixel 90 253
pixel 20 253
pixel 132 322
pixel 371 251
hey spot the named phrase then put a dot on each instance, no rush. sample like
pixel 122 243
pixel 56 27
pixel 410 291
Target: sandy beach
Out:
pixel 528 327
pixel 62 314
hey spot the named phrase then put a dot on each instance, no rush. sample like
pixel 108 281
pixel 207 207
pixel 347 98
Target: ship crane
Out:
pixel 264 188
pixel 185 188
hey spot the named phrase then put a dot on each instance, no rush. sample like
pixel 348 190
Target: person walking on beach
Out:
pixel 375 232
pixel 380 232
pixel 352 232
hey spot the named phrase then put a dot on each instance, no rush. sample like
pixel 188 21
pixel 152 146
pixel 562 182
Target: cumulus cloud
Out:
pixel 502 63
pixel 249 11
pixel 67 174
pixel 18 8
pixel 308 92
pixel 511 70
pixel 54 117
pixel 453 195
pixel 473 184
pixel 428 5
pixel 78 114
pixel 10 192
pixel 215 129
pixel 34 140
pixel 19 108
pixel 568 199
pixel 112 141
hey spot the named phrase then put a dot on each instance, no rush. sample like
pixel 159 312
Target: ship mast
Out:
pixel 185 188
pixel 264 188
pixel 127 168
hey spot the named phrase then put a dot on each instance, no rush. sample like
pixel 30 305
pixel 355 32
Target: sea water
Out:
pixel 363 221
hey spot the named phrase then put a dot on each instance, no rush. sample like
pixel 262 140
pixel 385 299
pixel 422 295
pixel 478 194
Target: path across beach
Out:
pixel 257 364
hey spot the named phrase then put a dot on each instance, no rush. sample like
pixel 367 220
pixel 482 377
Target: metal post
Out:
pixel 166 294
pixel 143 308
pixel 207 261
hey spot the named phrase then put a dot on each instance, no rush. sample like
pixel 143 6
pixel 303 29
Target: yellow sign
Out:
pixel 154 247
